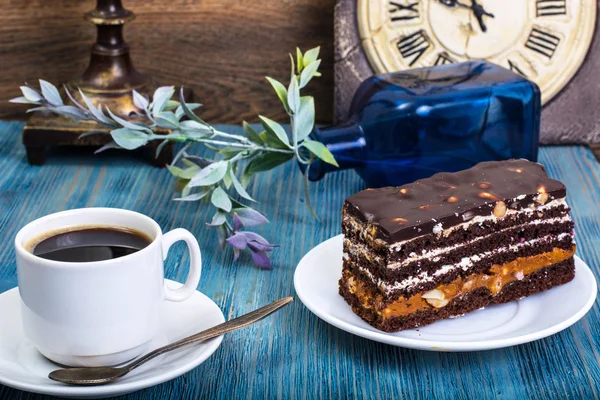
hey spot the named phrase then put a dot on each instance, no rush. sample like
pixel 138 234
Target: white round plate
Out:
pixel 22 367
pixel 535 317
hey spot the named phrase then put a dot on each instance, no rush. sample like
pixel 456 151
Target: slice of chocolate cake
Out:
pixel 454 243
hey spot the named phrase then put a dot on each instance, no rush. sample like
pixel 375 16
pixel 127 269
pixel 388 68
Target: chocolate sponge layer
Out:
pixel 543 279
pixel 380 266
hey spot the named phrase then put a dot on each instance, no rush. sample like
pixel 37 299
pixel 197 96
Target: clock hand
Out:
pixel 479 12
pixel 453 3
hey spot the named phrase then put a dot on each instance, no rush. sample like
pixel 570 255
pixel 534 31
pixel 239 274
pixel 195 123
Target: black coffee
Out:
pixel 91 244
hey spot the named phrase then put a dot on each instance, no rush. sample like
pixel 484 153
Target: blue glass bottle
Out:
pixel 411 124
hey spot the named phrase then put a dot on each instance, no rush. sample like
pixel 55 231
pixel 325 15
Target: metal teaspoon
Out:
pixel 90 376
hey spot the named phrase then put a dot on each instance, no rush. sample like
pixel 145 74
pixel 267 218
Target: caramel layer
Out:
pixel 495 279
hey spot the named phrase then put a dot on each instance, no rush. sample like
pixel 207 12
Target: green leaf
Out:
pixel 193 134
pixel 293 95
pixel 237 204
pixel 171 105
pixel 188 112
pixel 251 134
pixel 195 160
pixel 21 100
pixel 192 125
pixel 97 113
pixel 227 181
pixel 140 101
pixel 128 138
pixel 220 200
pixel 70 111
pixel 192 197
pixel 299 59
pixel 31 94
pixel 188 162
pixel 90 133
pixel 307 194
pixel 245 181
pixel 175 171
pixel 213 148
pixel 281 92
pixel 160 147
pixel 167 119
pixel 218 219
pixel 210 174
pixel 50 92
pixel 275 129
pixel 311 56
pixel 186 190
pixel 293 65
pixel 222 235
pixel 181 185
pixel 319 150
pixel 272 141
pixel 229 151
pixel 250 217
pixel 190 172
pixel 111 145
pixel 34 109
pixel 191 106
pixel 239 188
pixel 266 162
pixel 127 124
pixel 308 73
pixel 304 120
pixel 161 97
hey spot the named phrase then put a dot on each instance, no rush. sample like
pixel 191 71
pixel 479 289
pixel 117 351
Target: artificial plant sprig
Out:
pixel 222 181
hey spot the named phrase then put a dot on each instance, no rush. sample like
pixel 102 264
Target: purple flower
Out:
pixel 237 223
pixel 238 241
pixel 261 259
pixel 258 246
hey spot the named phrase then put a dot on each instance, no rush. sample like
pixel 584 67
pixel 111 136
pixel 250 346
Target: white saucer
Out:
pixel 535 317
pixel 22 367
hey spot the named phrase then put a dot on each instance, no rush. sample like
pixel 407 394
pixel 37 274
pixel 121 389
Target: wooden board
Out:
pixel 293 354
pixel 220 48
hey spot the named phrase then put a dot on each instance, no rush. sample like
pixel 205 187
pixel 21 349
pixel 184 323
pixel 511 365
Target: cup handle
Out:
pixel 193 277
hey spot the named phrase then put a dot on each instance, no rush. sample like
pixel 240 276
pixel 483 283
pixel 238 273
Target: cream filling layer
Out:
pixel 465 264
pixel 432 254
pixel 435 254
pixel 480 219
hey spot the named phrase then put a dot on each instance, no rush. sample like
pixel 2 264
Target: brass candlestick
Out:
pixel 110 76
pixel 108 80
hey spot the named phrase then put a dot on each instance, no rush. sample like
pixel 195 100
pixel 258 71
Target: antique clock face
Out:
pixel 543 40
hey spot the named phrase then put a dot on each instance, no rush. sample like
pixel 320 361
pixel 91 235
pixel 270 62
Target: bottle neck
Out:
pixel 347 144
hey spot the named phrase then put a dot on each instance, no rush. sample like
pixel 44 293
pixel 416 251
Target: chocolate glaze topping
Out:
pixel 412 210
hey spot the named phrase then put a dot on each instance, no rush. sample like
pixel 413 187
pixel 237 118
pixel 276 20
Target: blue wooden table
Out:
pixel 294 354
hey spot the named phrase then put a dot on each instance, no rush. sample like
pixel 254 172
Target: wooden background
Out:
pixel 220 48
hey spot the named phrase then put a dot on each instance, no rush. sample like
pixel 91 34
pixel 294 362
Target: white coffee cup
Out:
pixel 101 312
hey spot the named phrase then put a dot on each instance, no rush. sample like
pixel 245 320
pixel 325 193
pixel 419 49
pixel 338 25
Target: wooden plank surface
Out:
pixel 295 355
pixel 220 48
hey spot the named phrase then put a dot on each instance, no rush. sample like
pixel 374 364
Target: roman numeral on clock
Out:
pixel 413 46
pixel 542 42
pixel 515 68
pixel 546 8
pixel 443 58
pixel 403 12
